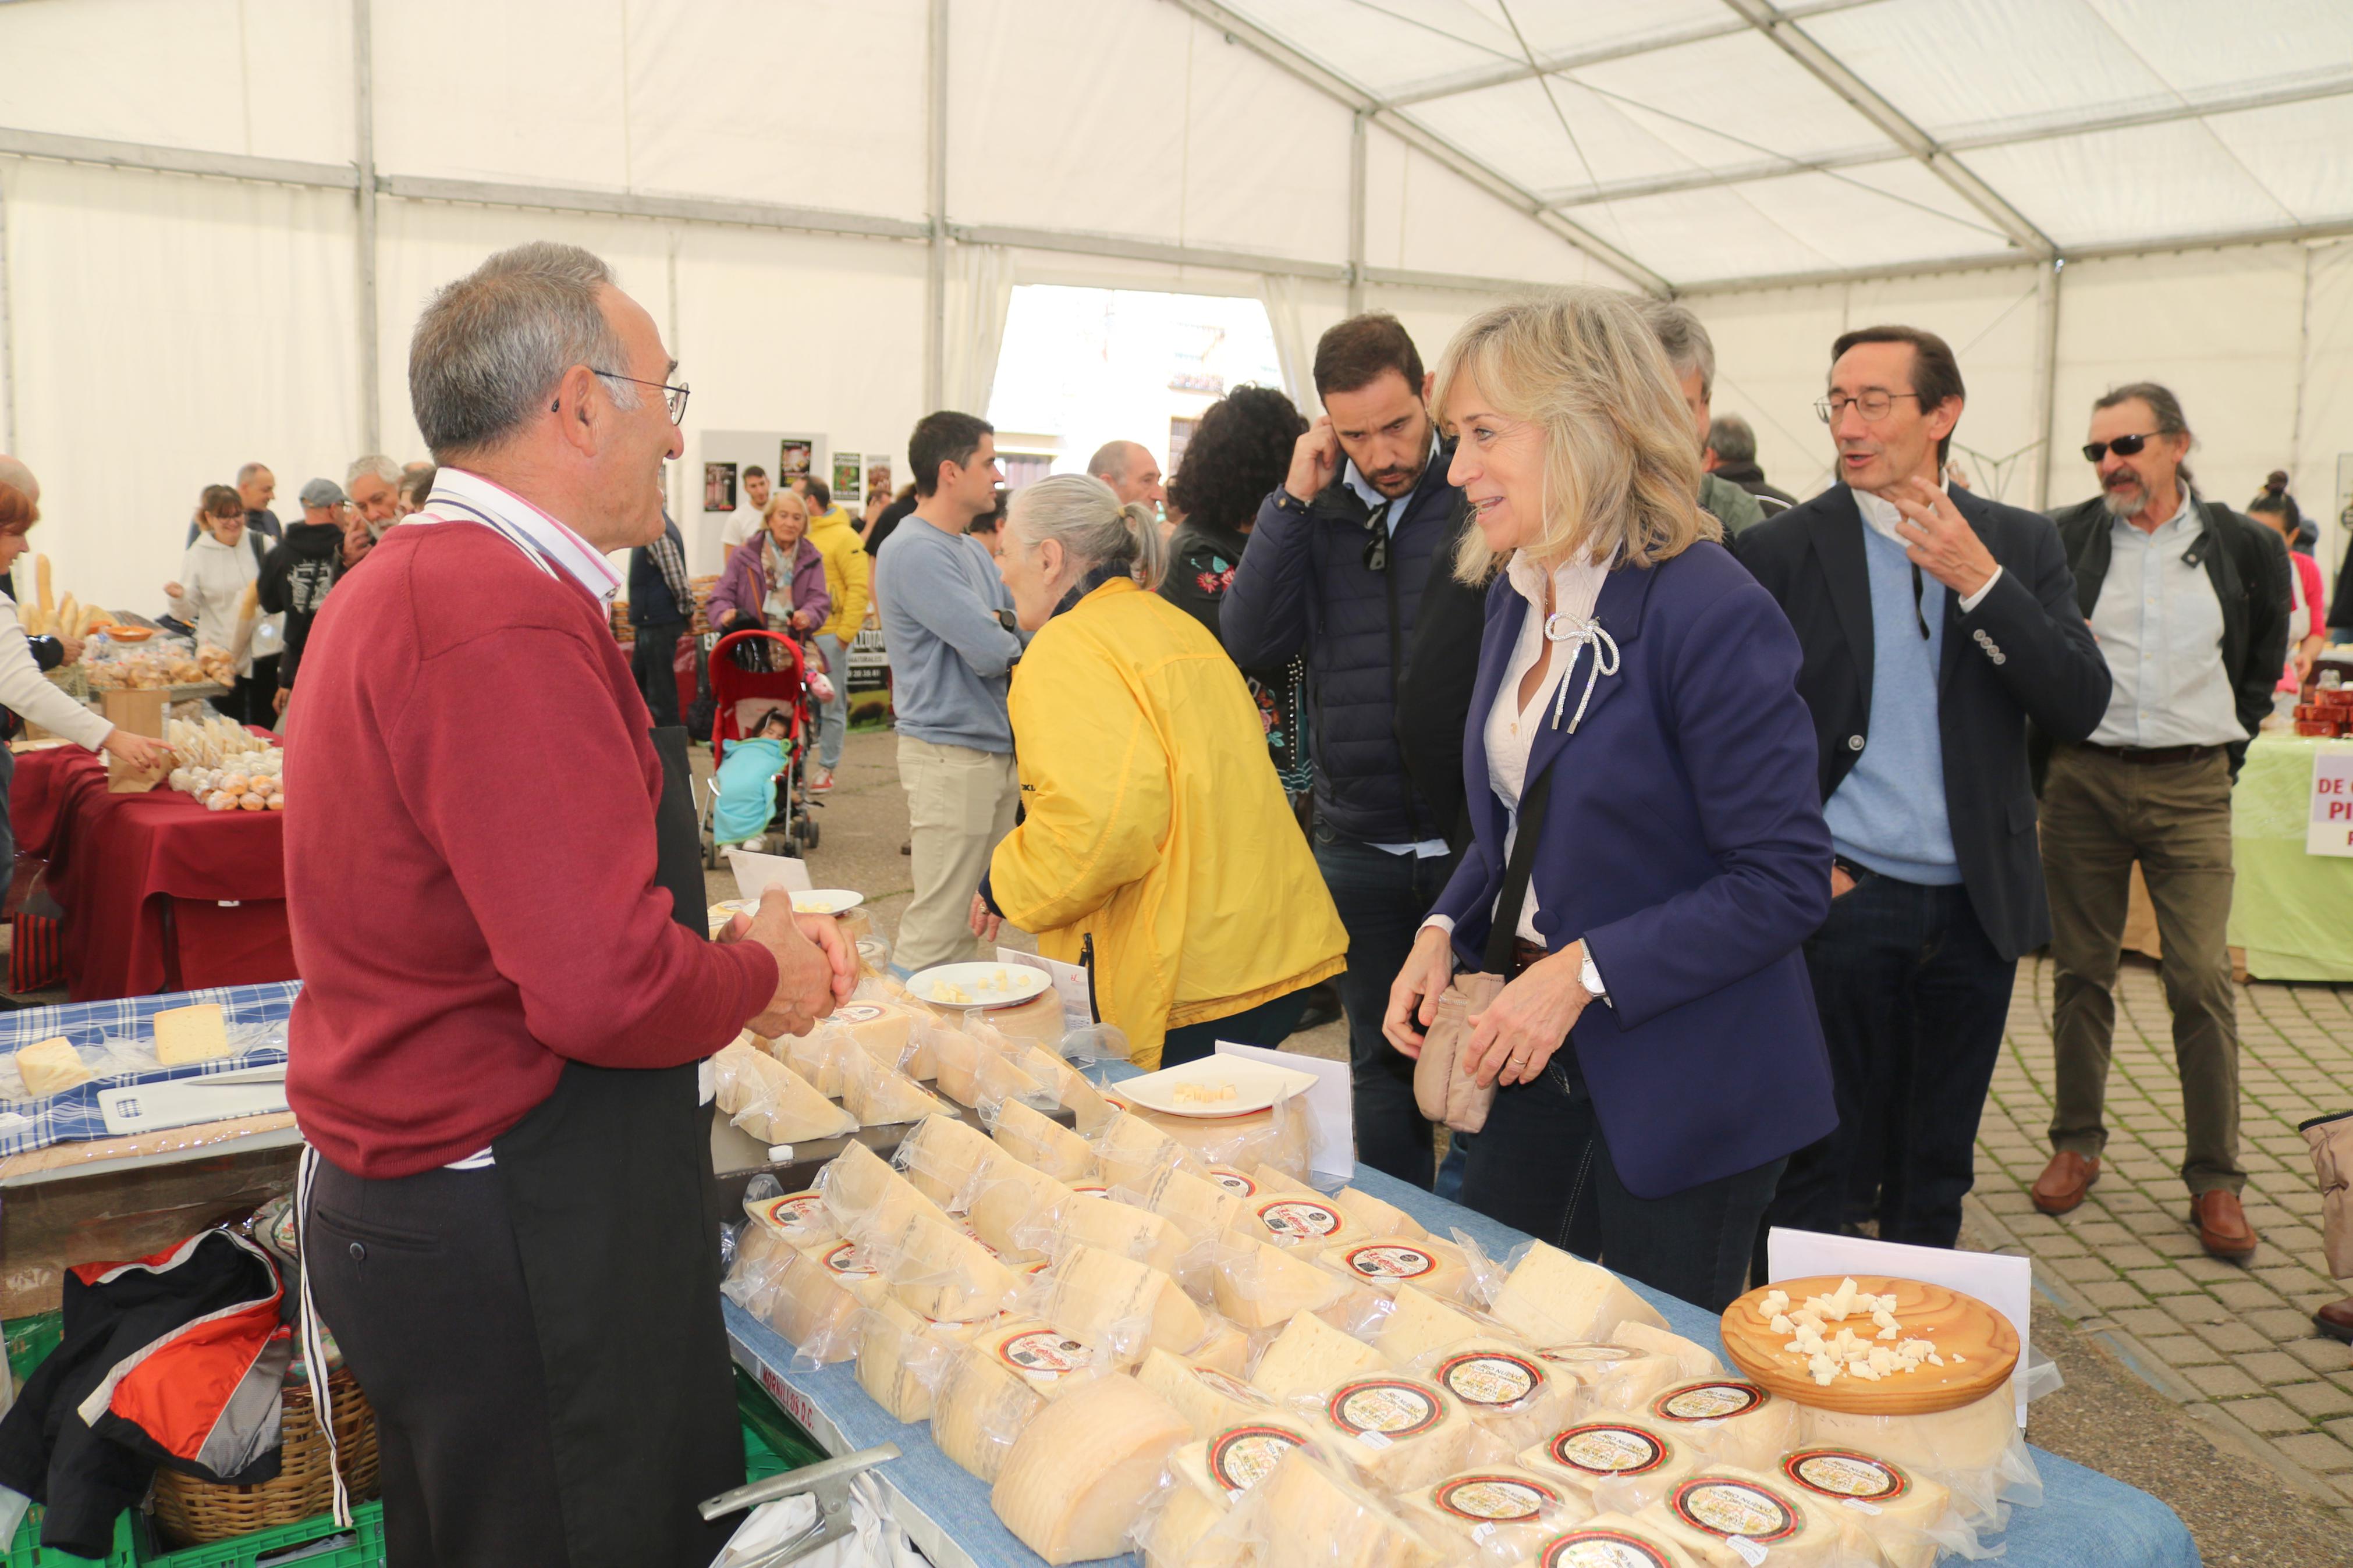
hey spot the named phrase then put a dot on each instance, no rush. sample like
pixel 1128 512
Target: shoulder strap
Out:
pixel 1534 801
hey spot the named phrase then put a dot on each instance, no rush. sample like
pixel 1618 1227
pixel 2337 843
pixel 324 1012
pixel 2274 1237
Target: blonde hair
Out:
pixel 783 497
pixel 1081 514
pixel 1621 468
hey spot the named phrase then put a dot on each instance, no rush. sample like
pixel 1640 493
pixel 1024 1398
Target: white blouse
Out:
pixel 28 694
pixel 1511 728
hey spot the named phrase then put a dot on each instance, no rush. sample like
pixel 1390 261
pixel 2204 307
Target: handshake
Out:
pixel 816 967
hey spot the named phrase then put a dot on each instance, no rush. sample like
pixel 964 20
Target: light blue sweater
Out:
pixel 951 659
pixel 1889 813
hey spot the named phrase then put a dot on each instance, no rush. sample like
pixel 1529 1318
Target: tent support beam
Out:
pixel 1356 214
pixel 363 149
pixel 1782 32
pixel 7 341
pixel 935 204
pixel 2046 377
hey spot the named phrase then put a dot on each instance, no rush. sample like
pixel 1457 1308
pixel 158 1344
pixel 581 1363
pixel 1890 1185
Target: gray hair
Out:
pixel 382 466
pixel 245 474
pixel 1080 513
pixel 1688 346
pixel 490 347
pixel 1730 439
pixel 2163 406
pixel 1110 461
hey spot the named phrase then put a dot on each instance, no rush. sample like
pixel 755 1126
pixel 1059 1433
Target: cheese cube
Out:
pixel 1634 1459
pixel 1730 1421
pixel 1718 1511
pixel 1311 1355
pixel 1611 1540
pixel 52 1066
pixel 1079 1475
pixel 1126 1305
pixel 1555 1299
pixel 1377 1217
pixel 1499 1509
pixel 192 1033
pixel 1038 1139
pixel 1259 1284
pixel 1436 1268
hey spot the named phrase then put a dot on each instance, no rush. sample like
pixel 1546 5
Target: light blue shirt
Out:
pixel 2160 628
pixel 951 657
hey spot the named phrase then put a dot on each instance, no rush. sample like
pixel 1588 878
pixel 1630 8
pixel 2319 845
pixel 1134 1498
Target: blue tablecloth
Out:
pixel 2086 1520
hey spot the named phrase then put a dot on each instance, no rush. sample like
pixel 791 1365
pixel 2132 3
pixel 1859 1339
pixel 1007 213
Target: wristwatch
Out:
pixel 1009 621
pixel 1589 976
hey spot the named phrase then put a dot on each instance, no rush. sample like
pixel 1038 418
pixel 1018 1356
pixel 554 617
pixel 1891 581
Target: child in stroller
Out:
pixel 746 782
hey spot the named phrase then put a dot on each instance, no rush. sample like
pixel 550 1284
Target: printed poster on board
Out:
pixel 2330 829
pixel 848 471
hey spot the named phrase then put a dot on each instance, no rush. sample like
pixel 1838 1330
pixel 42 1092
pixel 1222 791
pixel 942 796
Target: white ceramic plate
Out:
pixel 827 901
pixel 977 984
pixel 1214 1085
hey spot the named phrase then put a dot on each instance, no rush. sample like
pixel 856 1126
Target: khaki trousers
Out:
pixel 959 803
pixel 2100 814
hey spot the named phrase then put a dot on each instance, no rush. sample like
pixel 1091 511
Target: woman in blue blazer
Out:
pixel 1648 686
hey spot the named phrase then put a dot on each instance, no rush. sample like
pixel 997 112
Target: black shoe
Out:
pixel 1323 1006
pixel 908 847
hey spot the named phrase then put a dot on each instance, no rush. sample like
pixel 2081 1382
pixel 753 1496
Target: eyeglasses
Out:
pixel 2123 447
pixel 677 395
pixel 1872 405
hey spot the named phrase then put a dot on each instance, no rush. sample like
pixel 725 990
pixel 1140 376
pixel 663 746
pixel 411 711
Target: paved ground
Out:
pixel 2197 1381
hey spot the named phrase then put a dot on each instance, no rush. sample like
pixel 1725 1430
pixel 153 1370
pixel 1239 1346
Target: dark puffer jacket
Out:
pixel 1303 587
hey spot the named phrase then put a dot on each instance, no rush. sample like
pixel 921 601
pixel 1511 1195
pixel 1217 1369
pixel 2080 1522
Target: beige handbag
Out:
pixel 2330 1138
pixel 1442 1085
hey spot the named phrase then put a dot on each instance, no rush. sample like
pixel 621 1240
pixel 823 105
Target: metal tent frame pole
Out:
pixel 935 270
pixel 364 164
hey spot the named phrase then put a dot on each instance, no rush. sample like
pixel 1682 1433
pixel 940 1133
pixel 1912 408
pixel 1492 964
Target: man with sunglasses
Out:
pixel 2189 602
pixel 1335 572
pixel 1935 624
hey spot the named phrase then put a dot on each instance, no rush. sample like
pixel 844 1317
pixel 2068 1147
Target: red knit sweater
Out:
pixel 470 860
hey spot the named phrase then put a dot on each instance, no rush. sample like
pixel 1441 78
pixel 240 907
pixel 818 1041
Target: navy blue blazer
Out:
pixel 1684 844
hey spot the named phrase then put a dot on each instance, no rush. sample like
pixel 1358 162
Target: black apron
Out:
pixel 616 1217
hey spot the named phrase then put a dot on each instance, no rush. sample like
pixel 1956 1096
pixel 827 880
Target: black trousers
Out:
pixel 1542 1163
pixel 1913 998
pixel 649 662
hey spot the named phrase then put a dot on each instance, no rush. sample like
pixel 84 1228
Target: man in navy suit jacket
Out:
pixel 1934 625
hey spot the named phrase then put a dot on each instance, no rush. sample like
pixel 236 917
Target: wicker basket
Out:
pixel 190 1512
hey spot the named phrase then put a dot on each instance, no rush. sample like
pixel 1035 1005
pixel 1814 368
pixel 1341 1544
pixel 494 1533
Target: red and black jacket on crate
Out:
pixel 175 1360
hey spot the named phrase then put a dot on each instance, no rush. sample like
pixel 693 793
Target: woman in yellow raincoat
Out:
pixel 1156 842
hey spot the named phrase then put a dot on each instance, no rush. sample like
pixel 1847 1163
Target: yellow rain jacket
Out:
pixel 847 575
pixel 1154 824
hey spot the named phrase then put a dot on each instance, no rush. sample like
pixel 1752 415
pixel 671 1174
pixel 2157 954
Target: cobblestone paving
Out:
pixel 2237 1337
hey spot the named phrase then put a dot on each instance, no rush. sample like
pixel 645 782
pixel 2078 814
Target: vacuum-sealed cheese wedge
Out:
pixel 1035 1138
pixel 1377 1217
pixel 1504 1386
pixel 1079 1475
pixel 1311 1355
pixel 1724 1514
pixel 1308 1514
pixel 1616 1376
pixel 1904 1516
pixel 1013 1209
pixel 1185 1513
pixel 1122 1303
pixel 777 1105
pixel 883 1029
pixel 822 1055
pixel 1498 1509
pixel 1730 1421
pixel 1305 1224
pixel 948 1161
pixel 1235 1458
pixel 1691 1359
pixel 798 1218
pixel 1554 1299
pixel 1085 1220
pixel 1395 1432
pixel 819 1297
pixel 1208 1399
pixel 1200 1207
pixel 868 1198
pixel 1418 1324
pixel 940 1273
pixel 1436 1268
pixel 900 1356
pixel 1129 1151
pixel 1070 1086
pixel 50 1067
pixel 1259 1284
pixel 1639 1462
pixel 882 1096
pixel 1223 1346
pixel 996 1381
pixel 1610 1540
pixel 1273 1179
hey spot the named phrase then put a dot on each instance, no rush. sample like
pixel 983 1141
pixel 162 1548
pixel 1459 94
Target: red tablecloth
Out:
pixel 159 894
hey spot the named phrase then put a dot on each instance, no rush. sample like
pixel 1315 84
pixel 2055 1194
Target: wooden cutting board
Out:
pixel 1980 1348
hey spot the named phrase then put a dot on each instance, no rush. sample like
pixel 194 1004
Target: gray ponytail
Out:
pixel 1081 512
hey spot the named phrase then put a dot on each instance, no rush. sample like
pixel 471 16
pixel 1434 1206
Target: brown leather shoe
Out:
pixel 2336 1319
pixel 2063 1182
pixel 2222 1227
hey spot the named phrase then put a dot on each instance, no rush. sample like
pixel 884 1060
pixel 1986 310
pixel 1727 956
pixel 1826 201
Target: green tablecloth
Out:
pixel 2293 912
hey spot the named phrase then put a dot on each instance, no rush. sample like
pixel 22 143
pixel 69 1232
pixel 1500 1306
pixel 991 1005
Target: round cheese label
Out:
pixel 799 1216
pixel 1299 1219
pixel 846 1260
pixel 1386 1405
pixel 1242 1457
pixel 1709 1401
pixel 1606 1448
pixel 1091 1190
pixel 1043 1353
pixel 1603 1549
pixel 1493 1499
pixel 1389 1261
pixel 1491 1379
pixel 1735 1507
pixel 1233 1181
pixel 1577 1355
pixel 1846 1475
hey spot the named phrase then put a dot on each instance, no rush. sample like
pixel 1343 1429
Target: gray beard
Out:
pixel 2126 503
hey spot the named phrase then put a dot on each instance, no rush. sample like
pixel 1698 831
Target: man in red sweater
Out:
pixel 498 1056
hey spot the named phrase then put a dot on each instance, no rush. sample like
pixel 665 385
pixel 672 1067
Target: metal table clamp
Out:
pixel 828 1481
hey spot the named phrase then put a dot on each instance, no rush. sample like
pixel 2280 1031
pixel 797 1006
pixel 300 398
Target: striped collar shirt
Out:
pixel 554 548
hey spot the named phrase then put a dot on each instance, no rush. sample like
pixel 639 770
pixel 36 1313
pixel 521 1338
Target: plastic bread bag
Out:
pixel 902 1356
pixel 1122 1304
pixel 1495 1507
pixel 1553 1298
pixel 1258 1285
pixel 990 1384
pixel 940 1273
pixel 1443 1087
pixel 1308 1513
pixel 882 1096
pixel 1623 1463
pixel 948 1161
pixel 1728 1517
pixel 1504 1386
pixel 1907 1516
pixel 1978 1452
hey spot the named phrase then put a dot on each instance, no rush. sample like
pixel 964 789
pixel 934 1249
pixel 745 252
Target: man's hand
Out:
pixel 1841 884
pixel 1314 461
pixel 1414 994
pixel 72 647
pixel 984 923
pixel 1528 1020
pixel 1940 541
pixel 815 967
pixel 174 591
pixel 278 701
pixel 136 751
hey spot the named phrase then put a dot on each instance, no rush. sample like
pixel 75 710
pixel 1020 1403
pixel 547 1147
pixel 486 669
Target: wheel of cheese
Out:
pixel 1119 1302
pixel 1418 1324
pixel 948 1161
pixel 1377 1217
pixel 1395 1432
pixel 1208 1399
pixel 1504 1388
pixel 1499 1509
pixel 1611 1540
pixel 1636 1461
pixel 1730 1421
pixel 1967 1450
pixel 1036 1139
pixel 1079 1475
pixel 1311 1355
pixel 996 1383
pixel 1259 1284
pixel 1715 1514
pixel 1106 1224
pixel 1554 1299
pixel 1382 1263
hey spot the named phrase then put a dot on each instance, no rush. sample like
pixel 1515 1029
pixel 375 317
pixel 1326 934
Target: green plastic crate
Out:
pixel 783 1445
pixel 27 1551
pixel 312 1543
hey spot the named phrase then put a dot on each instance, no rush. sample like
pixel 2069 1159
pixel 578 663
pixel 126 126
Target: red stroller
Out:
pixel 740 697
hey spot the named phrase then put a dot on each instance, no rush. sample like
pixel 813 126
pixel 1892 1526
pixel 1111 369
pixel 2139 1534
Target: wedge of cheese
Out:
pixel 1187 1512
pixel 1308 1514
pixel 1498 1509
pixel 777 1105
pixel 880 1096
pixel 1084 1219
pixel 1038 1139
pixel 940 1273
pixel 1274 1179
pixel 1893 1507
pixel 890 1033
pixel 948 1160
pixel 1259 1284
pixel 822 1055
pixel 1639 1462
pixel 1304 1225
pixel 1554 1299
pixel 1200 1207
pixel 1223 1346
pixel 1436 1268
pixel 820 1296
pixel 1395 1432
pixel 192 1033
pixel 1611 1540
pixel 1014 1209
pixel 1122 1303
pixel 996 1383
pixel 1068 1085
pixel 1730 1421
pixel 1208 1399
pixel 1376 1217
pixel 899 1357
pixel 1130 1151
pixel 1722 1516
pixel 798 1217
pixel 1506 1388
pixel 868 1200
pixel 1311 1355
pixel 1691 1359
pixel 1418 1324
pixel 1079 1475
pixel 50 1067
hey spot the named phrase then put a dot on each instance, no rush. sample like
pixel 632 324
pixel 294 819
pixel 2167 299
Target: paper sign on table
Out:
pixel 756 873
pixel 1072 984
pixel 1334 1154
pixel 2004 1283
pixel 2330 829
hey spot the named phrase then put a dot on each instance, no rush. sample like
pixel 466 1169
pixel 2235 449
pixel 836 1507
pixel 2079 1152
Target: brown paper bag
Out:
pixel 2330 1138
pixel 1442 1087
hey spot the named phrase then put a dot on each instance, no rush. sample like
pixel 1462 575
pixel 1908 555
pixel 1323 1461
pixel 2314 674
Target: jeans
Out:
pixel 651 662
pixel 1542 1163
pixel 1913 998
pixel 1382 899
pixel 836 721
pixel 1268 1024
